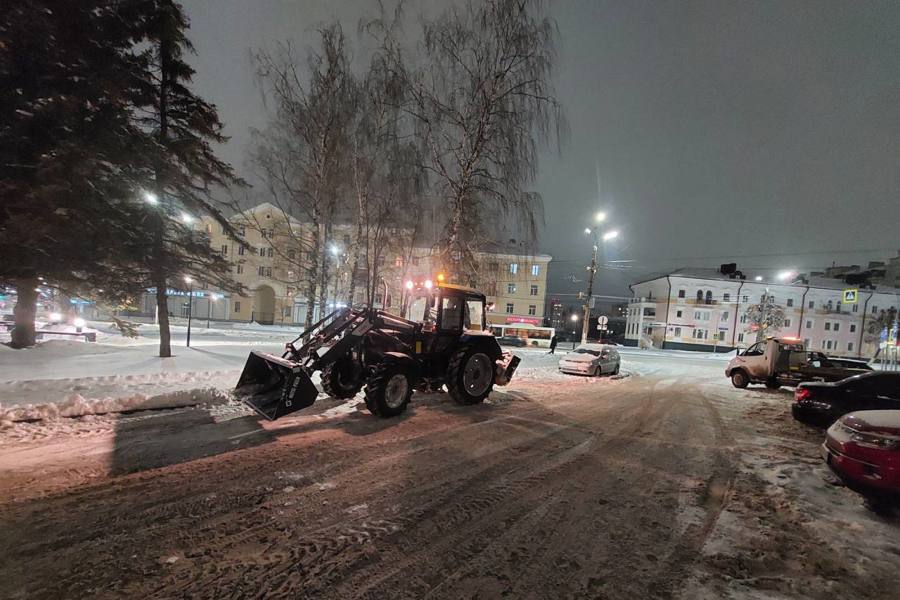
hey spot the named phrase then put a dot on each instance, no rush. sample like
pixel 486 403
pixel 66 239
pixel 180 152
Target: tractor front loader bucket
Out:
pixel 274 386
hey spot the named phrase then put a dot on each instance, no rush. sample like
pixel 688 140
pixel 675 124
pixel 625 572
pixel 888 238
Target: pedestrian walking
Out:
pixel 553 341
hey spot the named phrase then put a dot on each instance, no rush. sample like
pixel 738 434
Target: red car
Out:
pixel 863 448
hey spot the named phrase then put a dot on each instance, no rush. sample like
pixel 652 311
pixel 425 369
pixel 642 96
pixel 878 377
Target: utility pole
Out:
pixel 190 308
pixel 590 291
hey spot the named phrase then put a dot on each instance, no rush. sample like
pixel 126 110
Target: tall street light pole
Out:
pixel 190 282
pixel 336 251
pixel 212 298
pixel 597 238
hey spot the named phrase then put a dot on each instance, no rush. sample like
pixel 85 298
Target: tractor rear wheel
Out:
pixel 470 375
pixel 388 390
pixel 341 379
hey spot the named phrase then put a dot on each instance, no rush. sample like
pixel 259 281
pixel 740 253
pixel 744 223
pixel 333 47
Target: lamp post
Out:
pixel 336 252
pixel 212 298
pixel 190 283
pixel 593 231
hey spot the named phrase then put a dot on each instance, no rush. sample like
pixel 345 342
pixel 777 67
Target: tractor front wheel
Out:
pixel 388 390
pixel 470 375
pixel 342 379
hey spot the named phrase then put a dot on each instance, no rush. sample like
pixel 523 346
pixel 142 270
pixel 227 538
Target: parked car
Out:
pixel 822 403
pixel 511 340
pixel 591 359
pixel 863 449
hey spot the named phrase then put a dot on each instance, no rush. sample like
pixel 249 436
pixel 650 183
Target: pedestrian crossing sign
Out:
pixel 850 296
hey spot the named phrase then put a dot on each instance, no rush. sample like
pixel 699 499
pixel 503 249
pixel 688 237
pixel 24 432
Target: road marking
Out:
pixel 234 437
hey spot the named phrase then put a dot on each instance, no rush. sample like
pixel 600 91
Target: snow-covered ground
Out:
pixel 68 378
pixel 777 526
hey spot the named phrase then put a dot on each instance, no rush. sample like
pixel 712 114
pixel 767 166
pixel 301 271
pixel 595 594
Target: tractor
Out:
pixel 444 342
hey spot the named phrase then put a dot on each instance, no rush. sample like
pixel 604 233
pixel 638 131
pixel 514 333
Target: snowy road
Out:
pixel 665 483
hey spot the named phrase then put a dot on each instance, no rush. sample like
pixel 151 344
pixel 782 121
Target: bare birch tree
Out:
pixel 482 101
pixel 302 152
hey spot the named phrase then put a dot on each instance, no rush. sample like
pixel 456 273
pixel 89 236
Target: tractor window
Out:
pixel 419 310
pixel 474 316
pixel 451 313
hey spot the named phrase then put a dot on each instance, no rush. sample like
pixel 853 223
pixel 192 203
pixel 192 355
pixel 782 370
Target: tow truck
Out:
pixel 779 361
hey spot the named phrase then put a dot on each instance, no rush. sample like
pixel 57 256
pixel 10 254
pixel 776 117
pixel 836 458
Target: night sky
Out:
pixel 765 133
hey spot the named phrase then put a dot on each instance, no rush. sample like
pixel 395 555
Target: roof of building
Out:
pixel 819 282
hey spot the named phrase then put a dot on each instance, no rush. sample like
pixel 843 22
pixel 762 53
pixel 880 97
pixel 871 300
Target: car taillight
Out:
pixel 873 440
pixel 802 394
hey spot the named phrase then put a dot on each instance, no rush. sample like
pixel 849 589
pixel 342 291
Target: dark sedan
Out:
pixel 820 403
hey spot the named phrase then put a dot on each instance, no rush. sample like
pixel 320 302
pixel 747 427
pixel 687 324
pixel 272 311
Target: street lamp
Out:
pixel 212 298
pixel 151 198
pixel 785 275
pixel 605 236
pixel 758 278
pixel 190 283
pixel 336 252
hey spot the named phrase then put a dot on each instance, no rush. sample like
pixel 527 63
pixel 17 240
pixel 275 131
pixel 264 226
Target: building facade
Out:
pixel 706 310
pixel 272 262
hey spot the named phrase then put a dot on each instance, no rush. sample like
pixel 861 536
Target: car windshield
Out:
pixel 587 351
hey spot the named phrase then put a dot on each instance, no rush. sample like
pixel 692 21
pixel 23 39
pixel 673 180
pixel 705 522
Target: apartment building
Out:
pixel 706 310
pixel 272 263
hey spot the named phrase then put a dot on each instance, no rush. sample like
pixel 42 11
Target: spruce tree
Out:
pixel 186 169
pixel 70 153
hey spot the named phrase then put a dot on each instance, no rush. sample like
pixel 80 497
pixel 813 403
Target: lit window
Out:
pixel 510 288
pixel 535 270
pixel 513 268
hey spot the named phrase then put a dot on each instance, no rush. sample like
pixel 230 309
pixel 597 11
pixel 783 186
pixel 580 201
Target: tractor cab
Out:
pixel 447 307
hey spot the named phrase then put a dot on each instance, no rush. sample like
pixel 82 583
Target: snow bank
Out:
pixel 76 405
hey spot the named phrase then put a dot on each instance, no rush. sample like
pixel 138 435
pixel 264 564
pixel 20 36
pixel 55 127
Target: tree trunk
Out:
pixel 162 308
pixel 25 311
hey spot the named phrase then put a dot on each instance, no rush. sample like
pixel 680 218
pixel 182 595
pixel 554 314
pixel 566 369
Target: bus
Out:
pixel 532 335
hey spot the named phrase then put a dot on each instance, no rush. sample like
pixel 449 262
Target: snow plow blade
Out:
pixel 274 386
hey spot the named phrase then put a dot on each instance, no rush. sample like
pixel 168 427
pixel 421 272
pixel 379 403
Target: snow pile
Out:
pixel 76 405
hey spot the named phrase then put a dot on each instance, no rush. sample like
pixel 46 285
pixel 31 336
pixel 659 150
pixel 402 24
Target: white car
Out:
pixel 591 359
